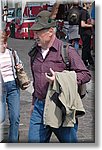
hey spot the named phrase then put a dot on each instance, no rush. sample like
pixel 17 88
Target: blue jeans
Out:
pixel 39 133
pixel 11 96
pixel 76 45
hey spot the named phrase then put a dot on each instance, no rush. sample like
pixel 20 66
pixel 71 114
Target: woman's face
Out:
pixel 3 46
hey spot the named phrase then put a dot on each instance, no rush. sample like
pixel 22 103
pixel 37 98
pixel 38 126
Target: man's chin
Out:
pixel 39 44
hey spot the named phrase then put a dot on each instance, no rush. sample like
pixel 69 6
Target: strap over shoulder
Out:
pixel 33 51
pixel 64 53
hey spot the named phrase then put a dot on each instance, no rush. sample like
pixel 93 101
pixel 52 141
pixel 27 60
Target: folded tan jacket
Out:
pixel 65 85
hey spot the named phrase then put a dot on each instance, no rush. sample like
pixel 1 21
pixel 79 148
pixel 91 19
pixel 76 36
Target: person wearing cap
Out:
pixel 10 90
pixel 47 60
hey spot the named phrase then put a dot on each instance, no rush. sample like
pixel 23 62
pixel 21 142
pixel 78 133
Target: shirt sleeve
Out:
pixel 85 16
pixel 77 64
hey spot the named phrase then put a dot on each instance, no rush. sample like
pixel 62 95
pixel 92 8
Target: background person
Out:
pixel 85 31
pixel 74 36
pixel 5 13
pixel 74 25
pixel 93 23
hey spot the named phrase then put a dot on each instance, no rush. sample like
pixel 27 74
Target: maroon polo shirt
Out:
pixel 54 60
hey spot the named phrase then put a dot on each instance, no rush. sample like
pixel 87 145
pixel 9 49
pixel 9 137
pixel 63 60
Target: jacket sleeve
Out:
pixel 77 64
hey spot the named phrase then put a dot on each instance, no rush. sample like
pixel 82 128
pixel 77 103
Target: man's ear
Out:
pixel 51 31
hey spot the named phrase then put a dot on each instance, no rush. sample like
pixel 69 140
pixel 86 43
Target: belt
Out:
pixel 39 99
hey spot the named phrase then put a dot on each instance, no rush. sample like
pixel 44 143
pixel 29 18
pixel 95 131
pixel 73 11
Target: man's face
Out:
pixel 43 37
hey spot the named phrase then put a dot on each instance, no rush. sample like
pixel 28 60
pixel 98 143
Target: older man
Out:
pixel 47 60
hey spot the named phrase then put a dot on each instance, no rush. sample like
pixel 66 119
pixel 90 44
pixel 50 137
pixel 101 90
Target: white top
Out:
pixel 44 52
pixel 6 66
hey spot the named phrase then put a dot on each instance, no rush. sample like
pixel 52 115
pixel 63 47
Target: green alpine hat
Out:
pixel 43 21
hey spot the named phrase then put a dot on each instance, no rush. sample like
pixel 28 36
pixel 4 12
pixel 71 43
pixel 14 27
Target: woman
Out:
pixel 10 89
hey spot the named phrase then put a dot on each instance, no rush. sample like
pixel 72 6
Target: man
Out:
pixel 85 31
pixel 47 60
pixel 5 13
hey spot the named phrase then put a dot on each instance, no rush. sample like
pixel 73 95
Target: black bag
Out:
pixel 64 52
pixel 74 16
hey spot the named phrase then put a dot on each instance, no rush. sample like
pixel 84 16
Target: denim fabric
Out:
pixel 39 133
pixel 76 45
pixel 11 96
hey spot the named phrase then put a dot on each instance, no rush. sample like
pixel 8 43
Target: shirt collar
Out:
pixel 55 45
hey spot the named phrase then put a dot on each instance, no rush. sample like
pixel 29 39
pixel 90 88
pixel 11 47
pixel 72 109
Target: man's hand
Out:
pixel 50 76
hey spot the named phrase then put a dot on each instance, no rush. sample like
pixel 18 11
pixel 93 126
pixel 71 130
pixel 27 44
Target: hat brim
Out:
pixel 37 26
